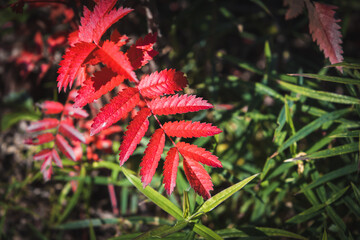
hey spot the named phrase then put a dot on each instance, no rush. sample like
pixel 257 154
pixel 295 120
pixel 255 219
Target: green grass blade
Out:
pixel 340 150
pixel 274 232
pixel 329 78
pixel 75 198
pixel 346 65
pixel 154 196
pixel 307 214
pixel 97 222
pixel 354 133
pixel 311 127
pixel 320 95
pixel 206 232
pixel 163 231
pixel 331 176
pixel 223 195
pixel 324 236
pixel 356 192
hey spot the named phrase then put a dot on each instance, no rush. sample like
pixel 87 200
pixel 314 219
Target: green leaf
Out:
pixel 223 195
pixel 320 95
pixel 332 175
pixel 257 232
pixel 154 196
pixel 315 210
pixel 75 198
pixel 307 214
pixel 324 236
pixel 329 78
pixel 346 65
pixel 354 133
pixel 311 127
pixel 10 119
pixel 97 222
pixel 186 205
pixel 206 232
pixel 163 231
pixel 356 192
pixel 340 150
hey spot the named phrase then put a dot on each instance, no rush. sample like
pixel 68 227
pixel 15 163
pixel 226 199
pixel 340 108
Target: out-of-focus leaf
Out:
pixel 332 175
pixel 329 78
pixel 320 95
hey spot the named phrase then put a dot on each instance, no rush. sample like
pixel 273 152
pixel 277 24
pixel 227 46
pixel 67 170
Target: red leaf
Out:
pixel 94 24
pixel 56 158
pixel 164 82
pixel 178 104
pixel 188 129
pixel 133 135
pixel 196 153
pixel 40 139
pixel 152 156
pixel 198 178
pixel 295 8
pixel 111 56
pixel 111 130
pixel 71 63
pixel 325 31
pixel 51 107
pixel 118 39
pixel 119 106
pixel 93 88
pixel 107 21
pixel 71 132
pixel 75 112
pixel 46 169
pixel 142 51
pixel 46 123
pixel 170 170
pixel 64 147
pixel 43 154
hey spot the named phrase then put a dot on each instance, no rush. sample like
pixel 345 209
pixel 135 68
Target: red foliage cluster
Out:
pixel 114 67
pixel 51 129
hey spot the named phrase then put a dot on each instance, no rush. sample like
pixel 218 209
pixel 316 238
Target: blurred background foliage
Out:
pixel 236 54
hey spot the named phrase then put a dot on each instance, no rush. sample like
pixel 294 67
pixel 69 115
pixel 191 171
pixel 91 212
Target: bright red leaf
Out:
pixel 119 106
pixel 198 178
pixel 43 154
pixel 94 23
pixel 71 132
pixel 152 156
pixel 40 139
pixel 71 63
pixel 64 147
pixel 51 107
pixel 46 123
pixel 135 131
pixel 71 111
pixel 93 88
pixel 188 129
pixel 178 104
pixel 164 82
pixel 196 153
pixel 170 169
pixel 116 60
pixel 56 158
